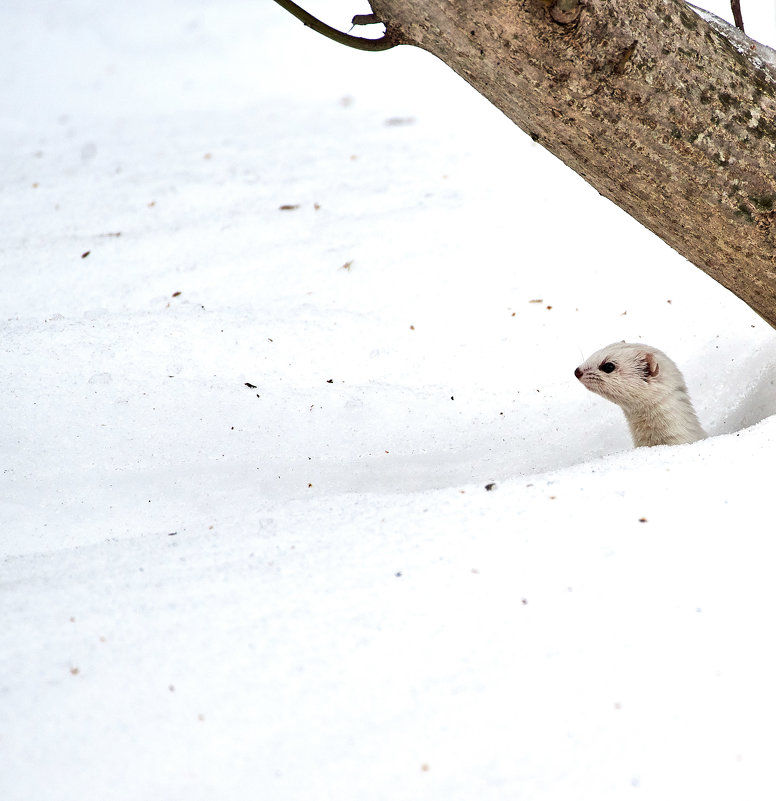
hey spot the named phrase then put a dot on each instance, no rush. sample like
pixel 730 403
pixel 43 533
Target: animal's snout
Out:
pixel 578 372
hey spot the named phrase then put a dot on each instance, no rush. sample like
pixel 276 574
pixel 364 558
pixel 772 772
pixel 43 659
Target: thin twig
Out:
pixel 737 18
pixel 385 42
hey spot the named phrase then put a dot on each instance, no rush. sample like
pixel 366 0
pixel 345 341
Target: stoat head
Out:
pixel 632 375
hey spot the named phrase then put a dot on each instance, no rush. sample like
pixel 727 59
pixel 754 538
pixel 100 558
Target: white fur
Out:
pixel 649 388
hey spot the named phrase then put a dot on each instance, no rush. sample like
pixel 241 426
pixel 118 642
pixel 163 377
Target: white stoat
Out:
pixel 648 387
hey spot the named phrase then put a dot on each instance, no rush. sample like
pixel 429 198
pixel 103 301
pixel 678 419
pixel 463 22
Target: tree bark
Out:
pixel 644 99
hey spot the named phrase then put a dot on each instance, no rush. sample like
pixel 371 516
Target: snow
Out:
pixel 763 56
pixel 301 589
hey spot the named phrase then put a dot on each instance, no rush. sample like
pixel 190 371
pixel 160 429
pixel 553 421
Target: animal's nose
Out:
pixel 578 373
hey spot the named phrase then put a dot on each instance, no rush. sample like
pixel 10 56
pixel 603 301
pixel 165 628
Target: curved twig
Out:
pixel 385 42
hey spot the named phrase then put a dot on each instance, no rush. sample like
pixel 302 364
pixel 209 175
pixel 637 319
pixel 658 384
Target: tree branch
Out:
pixel 385 42
pixel 671 117
pixel 737 18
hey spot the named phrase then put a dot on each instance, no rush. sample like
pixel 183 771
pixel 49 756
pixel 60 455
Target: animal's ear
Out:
pixel 653 368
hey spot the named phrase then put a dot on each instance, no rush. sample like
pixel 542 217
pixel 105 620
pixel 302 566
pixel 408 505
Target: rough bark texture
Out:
pixel 642 98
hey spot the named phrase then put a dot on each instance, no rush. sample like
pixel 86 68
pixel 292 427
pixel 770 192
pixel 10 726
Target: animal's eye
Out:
pixel 607 367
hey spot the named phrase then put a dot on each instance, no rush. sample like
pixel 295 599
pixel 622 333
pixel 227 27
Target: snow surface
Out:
pixel 301 589
pixel 763 56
